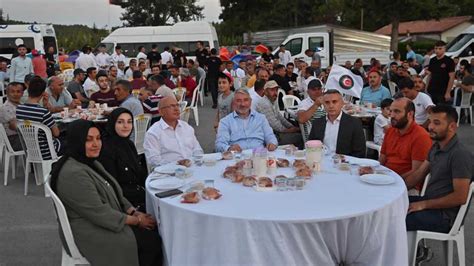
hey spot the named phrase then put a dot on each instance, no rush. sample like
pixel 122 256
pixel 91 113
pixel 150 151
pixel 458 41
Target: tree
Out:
pixel 160 12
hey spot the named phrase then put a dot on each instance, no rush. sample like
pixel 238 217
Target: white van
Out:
pixel 462 46
pixel 33 36
pixel 182 35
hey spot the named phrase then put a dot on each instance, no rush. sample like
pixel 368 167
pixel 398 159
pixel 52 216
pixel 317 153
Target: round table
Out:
pixel 335 219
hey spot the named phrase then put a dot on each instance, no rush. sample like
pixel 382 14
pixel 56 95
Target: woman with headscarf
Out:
pixel 119 157
pixel 106 227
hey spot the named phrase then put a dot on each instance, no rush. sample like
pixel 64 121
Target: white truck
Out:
pixel 33 36
pixel 334 44
pixel 462 46
pixel 182 35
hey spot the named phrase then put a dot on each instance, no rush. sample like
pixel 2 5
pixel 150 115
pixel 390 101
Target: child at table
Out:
pixel 382 121
pixel 224 100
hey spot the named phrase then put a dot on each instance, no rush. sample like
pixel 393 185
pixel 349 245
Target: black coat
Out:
pixel 350 138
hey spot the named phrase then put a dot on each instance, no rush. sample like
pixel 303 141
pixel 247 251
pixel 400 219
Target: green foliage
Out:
pixel 160 12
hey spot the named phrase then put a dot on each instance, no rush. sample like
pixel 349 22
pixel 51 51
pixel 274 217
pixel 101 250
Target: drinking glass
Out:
pixel 280 183
pixel 300 181
pixel 198 157
pixel 290 183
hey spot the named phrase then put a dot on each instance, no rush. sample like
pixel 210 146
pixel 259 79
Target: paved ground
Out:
pixel 28 227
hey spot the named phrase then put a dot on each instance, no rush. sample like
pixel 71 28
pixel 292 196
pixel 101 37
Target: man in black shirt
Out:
pixel 441 70
pixel 201 54
pixel 268 56
pixel 213 65
pixel 154 57
pixel 280 77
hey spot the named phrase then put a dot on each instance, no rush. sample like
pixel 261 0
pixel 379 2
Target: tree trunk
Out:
pixel 394 34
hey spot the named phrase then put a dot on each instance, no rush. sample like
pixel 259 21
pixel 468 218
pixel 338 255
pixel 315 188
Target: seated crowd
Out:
pixel 101 179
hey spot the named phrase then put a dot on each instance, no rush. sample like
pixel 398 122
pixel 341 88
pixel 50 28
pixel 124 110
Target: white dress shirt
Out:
pixel 85 61
pixel 255 98
pixel 141 55
pixel 117 58
pixel 285 57
pixel 166 57
pixel 163 144
pixel 331 132
pixel 90 87
pixel 102 60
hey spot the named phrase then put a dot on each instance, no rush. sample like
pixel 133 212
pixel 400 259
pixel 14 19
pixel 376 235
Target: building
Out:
pixel 445 29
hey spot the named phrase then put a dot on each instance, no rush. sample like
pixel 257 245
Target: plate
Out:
pixel 168 168
pixel 166 184
pixel 213 156
pixel 364 162
pixel 377 179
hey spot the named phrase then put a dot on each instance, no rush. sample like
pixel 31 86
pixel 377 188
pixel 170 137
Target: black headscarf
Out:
pixel 77 132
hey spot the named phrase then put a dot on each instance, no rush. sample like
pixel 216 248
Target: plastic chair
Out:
pixel 8 154
pixel 425 185
pixel 194 105
pixel 465 103
pixel 184 116
pixel 68 74
pixel 371 145
pixel 29 132
pixel 180 94
pixel 282 92
pixel 201 86
pixel 392 87
pixel 456 234
pixel 290 101
pixel 140 126
pixel 73 257
pixel 305 130
pixel 182 106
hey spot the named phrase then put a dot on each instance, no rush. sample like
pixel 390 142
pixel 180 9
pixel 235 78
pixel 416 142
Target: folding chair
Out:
pixel 8 154
pixel 194 105
pixel 140 126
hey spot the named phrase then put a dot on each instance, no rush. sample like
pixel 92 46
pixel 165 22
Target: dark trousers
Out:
pixel 212 86
pixel 149 247
pixel 429 220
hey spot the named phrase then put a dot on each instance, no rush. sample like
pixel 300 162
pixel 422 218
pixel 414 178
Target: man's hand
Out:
pixel 235 147
pixel 319 101
pixel 271 147
pixel 447 97
pixel 416 206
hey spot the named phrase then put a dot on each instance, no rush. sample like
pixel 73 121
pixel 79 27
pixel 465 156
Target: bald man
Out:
pixel 170 139
pixel 58 97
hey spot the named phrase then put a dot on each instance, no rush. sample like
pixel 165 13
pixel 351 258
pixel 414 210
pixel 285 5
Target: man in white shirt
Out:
pixel 308 75
pixel 118 56
pixel 239 74
pixel 86 59
pixel 312 107
pixel 169 139
pixel 257 92
pixel 284 55
pixel 157 85
pixel 141 53
pixel 89 85
pixel 20 65
pixel 166 57
pixel 422 101
pixel 102 58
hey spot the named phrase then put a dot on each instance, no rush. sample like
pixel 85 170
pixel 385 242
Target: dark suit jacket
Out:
pixel 350 138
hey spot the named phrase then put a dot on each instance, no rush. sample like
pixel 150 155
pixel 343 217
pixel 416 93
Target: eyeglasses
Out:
pixel 171 105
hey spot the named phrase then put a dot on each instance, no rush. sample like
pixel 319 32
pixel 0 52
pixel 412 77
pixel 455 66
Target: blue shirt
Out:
pixel 374 96
pixel 133 105
pixel 411 54
pixel 252 132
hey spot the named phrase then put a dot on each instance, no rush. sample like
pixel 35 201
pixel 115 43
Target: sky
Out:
pixel 86 12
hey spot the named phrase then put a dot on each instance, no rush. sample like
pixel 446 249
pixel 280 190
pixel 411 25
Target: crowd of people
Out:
pixel 100 178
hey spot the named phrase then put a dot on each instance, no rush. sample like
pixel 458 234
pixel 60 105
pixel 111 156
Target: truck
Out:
pixel 182 35
pixel 334 44
pixel 462 46
pixel 33 36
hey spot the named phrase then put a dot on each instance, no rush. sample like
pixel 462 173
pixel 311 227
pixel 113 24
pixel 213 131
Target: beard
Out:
pixel 438 136
pixel 400 124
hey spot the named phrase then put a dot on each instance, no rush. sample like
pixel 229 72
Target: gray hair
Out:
pixel 242 91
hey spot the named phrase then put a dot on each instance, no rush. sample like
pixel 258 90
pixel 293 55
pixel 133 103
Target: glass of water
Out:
pixel 280 182
pixel 198 157
pixel 300 181
pixel 290 183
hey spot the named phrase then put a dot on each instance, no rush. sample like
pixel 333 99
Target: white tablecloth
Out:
pixel 336 218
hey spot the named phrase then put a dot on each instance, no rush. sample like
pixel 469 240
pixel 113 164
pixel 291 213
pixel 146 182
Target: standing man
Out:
pixel 85 59
pixel 20 65
pixel 213 65
pixel 441 79
pixel 141 53
pixel 166 57
pixel 201 54
pixel 50 61
pixel 118 56
pixel 154 57
pixel 284 55
pixel 102 58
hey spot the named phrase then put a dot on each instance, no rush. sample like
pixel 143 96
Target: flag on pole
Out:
pixel 343 80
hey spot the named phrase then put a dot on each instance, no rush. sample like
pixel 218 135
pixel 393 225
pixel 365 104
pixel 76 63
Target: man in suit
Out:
pixel 341 133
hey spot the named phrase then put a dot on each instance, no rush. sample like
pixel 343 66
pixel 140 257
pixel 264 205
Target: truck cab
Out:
pixel 297 44
pixel 462 46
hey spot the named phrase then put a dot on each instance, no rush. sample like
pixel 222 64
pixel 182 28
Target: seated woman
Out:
pixel 119 157
pixel 106 228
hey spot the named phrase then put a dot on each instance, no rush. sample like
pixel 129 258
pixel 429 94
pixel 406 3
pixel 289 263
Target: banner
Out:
pixel 343 80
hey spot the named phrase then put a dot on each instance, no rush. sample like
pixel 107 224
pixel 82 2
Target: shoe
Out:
pixel 214 106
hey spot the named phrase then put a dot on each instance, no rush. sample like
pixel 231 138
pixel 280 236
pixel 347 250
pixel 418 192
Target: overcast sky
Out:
pixel 81 11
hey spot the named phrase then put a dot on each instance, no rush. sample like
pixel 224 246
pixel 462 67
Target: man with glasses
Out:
pixel 169 139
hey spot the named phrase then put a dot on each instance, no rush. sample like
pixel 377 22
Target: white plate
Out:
pixel 363 162
pixel 378 179
pixel 168 168
pixel 166 184
pixel 213 156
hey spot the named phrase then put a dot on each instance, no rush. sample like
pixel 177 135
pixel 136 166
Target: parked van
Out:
pixel 334 44
pixel 182 35
pixel 33 36
pixel 463 45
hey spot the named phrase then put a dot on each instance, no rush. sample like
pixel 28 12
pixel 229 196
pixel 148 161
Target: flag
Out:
pixel 343 80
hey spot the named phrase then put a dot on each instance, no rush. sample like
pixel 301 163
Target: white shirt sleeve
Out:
pixel 152 148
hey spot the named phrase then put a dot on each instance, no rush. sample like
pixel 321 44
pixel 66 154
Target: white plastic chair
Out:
pixel 194 105
pixel 180 94
pixel 456 234
pixel 29 132
pixel 290 101
pixel 184 116
pixel 68 75
pixel 282 92
pixel 201 86
pixel 305 130
pixel 371 145
pixel 425 185
pixel 140 126
pixel 74 257
pixel 8 154
pixel 392 87
pixel 464 105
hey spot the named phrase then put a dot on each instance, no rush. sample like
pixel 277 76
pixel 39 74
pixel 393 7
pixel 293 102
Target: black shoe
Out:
pixel 214 106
